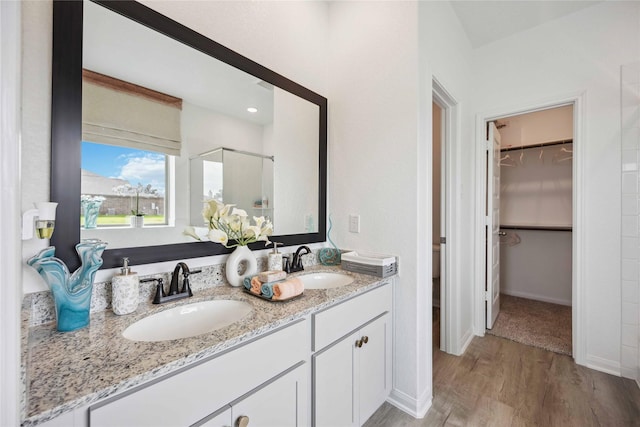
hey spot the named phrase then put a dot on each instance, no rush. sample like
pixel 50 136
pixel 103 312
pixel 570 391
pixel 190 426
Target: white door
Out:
pixel 333 371
pixel 373 377
pixel 279 404
pixel 492 294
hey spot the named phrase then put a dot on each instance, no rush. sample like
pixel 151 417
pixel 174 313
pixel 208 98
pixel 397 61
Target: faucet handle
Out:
pixel 157 299
pixel 186 288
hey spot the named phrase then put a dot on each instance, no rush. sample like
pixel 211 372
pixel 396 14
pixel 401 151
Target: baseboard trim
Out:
pixel 603 365
pixel 629 373
pixel 464 342
pixel 417 408
pixel 536 297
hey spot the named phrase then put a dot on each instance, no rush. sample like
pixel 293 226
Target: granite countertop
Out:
pixel 65 371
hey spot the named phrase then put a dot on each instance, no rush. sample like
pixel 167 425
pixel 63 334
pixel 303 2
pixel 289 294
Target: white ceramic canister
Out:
pixel 274 259
pixel 125 290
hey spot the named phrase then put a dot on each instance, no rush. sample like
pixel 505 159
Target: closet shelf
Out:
pixel 537 227
pixel 539 145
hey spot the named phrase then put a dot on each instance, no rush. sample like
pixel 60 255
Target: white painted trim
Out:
pixel 603 365
pixel 11 248
pixel 480 209
pixel 417 408
pixel 578 293
pixel 450 299
pixel 465 341
pixel 536 297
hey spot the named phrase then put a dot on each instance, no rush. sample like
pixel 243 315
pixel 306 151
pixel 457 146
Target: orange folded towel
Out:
pixel 287 289
pixel 256 285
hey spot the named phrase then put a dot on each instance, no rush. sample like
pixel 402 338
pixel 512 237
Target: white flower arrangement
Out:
pixel 228 223
pixel 130 190
pixel 90 198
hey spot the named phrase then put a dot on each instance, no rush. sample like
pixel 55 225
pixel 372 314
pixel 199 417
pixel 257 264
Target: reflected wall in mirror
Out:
pixel 233 177
pixel 176 95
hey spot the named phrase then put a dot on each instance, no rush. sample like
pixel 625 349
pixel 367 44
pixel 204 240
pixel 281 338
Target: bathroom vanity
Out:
pixel 323 359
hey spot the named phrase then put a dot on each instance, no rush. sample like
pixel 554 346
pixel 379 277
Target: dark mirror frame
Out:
pixel 66 132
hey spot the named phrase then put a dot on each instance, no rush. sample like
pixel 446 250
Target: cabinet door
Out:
pixel 333 371
pixel 223 419
pixel 281 403
pixel 373 367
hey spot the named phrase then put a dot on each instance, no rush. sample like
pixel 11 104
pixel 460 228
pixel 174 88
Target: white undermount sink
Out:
pixel 325 280
pixel 188 320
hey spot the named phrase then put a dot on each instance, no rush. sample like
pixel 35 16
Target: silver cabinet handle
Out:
pixel 502 233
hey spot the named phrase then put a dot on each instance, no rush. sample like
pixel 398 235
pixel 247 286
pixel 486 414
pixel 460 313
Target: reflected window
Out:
pixel 120 182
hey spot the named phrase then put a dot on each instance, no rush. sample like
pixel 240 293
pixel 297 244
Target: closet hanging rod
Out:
pixel 536 227
pixel 541 145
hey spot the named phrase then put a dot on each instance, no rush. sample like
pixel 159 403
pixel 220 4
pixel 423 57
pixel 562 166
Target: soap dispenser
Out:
pixel 125 289
pixel 274 259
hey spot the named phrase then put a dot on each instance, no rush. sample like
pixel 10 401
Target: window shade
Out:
pixel 119 113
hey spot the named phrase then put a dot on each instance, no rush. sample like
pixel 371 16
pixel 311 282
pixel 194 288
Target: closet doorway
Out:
pixel 439 215
pixel 535 228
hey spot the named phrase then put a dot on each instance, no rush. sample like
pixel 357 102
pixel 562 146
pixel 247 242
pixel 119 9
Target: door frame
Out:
pixel 577 269
pixel 448 285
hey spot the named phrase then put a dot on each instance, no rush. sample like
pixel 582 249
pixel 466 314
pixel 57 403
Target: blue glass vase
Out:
pixel 91 209
pixel 71 292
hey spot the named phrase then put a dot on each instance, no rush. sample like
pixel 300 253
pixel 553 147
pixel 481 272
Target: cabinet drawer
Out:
pixel 193 393
pixel 335 322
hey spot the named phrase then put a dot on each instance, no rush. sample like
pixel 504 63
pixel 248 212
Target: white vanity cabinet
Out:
pixel 242 379
pixel 281 403
pixel 330 368
pixel 352 361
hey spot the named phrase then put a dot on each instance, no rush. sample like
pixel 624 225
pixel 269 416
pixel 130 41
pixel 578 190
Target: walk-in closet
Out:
pixel 536 187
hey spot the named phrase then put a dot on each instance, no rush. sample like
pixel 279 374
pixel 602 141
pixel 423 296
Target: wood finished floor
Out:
pixel 498 382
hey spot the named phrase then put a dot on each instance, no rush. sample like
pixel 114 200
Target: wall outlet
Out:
pixel 354 223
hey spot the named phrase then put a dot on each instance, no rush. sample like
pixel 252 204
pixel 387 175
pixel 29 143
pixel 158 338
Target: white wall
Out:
pixel 204 130
pixel 373 165
pixel 36 122
pixel 630 310
pixel 289 37
pixel 537 268
pixel 11 388
pixel 446 57
pixel 550 125
pixel 295 163
pixel 576 54
pixel 537 191
pixel 384 56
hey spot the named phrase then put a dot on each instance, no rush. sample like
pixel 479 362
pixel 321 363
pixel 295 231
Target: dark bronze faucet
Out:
pixel 174 293
pixel 296 261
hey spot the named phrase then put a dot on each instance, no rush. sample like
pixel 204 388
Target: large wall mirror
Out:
pixel 152 118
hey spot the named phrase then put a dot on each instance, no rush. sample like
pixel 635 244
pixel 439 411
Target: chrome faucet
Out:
pixel 174 294
pixel 296 261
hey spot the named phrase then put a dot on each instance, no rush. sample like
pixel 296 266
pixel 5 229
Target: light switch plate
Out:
pixel 354 223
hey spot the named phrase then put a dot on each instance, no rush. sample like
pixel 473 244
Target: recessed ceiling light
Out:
pixel 252 109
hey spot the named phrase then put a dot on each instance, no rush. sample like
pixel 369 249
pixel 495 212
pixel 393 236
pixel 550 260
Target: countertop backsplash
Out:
pixel 38 308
